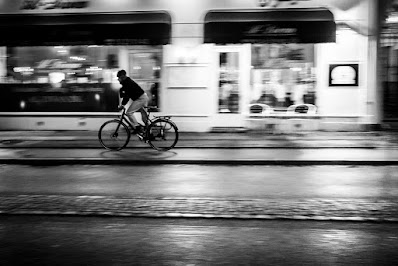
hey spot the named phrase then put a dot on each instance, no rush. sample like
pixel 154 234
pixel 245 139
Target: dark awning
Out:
pixel 124 28
pixel 293 25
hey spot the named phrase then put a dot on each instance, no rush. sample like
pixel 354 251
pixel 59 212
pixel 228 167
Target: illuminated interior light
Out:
pixel 22 104
pixel 392 18
pixel 56 77
pixel 23 69
pixel 297 69
pixel 77 58
pixel 94 69
pixel 97 97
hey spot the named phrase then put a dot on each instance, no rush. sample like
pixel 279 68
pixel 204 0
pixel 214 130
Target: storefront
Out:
pixel 389 62
pixel 59 70
pixel 67 62
pixel 280 62
pixel 268 65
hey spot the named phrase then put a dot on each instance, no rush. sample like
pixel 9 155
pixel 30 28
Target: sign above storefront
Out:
pixel 113 28
pixel 53 4
pixel 293 25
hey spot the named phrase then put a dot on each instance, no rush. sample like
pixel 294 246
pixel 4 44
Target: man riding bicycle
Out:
pixel 131 90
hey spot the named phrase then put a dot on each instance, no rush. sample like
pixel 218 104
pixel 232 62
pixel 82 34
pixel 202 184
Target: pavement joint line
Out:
pixel 204 146
pixel 211 147
pixel 121 161
pixel 42 138
pixel 205 216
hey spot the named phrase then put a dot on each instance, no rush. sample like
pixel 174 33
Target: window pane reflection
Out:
pixel 70 78
pixel 229 83
pixel 282 75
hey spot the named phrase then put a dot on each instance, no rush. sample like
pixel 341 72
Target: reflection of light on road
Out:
pixel 343 241
pixel 196 182
pixel 330 181
pixel 187 238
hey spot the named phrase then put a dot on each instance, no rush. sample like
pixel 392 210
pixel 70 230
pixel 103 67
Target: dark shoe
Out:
pixel 151 137
pixel 137 130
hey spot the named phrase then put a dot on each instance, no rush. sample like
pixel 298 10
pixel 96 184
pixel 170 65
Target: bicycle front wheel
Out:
pixel 114 135
pixel 162 135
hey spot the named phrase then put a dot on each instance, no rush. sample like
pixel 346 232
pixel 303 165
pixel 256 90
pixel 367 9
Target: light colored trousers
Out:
pixel 138 105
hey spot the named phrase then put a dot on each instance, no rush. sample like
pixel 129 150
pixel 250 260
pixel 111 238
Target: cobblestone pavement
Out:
pixel 307 209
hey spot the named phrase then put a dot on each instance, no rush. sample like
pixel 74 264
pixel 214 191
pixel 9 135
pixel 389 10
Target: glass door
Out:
pixel 230 85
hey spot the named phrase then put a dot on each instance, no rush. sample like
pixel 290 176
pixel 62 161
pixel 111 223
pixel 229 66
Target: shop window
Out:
pixel 282 75
pixel 63 78
pixel 145 67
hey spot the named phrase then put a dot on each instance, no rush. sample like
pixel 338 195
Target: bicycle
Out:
pixel 160 132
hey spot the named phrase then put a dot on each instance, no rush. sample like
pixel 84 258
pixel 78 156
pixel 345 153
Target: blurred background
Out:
pixel 232 64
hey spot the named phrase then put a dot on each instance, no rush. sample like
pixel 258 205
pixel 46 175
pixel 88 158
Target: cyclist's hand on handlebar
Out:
pixel 120 107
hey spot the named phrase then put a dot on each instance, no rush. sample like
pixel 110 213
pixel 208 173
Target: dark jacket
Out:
pixel 130 89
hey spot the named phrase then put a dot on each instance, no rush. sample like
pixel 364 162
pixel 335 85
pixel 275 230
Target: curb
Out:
pixel 207 147
pixel 101 161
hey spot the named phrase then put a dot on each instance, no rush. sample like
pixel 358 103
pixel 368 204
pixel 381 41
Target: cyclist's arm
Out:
pixel 123 95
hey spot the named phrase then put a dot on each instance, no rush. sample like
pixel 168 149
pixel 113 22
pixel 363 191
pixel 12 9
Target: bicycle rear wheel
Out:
pixel 162 135
pixel 114 135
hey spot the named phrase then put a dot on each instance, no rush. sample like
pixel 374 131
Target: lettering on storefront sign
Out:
pixel 56 99
pixel 57 64
pixel 275 3
pixel 266 32
pixel 53 4
pixel 271 40
pixel 126 41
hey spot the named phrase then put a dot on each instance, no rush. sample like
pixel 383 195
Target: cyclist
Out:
pixel 131 90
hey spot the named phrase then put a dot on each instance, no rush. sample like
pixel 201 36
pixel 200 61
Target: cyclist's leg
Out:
pixel 135 106
pixel 130 113
pixel 144 98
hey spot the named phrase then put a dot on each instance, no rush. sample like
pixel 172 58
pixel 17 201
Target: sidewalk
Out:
pixel 323 148
pixel 89 139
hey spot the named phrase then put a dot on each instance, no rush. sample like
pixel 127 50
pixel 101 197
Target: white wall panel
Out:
pixel 182 76
pixel 188 101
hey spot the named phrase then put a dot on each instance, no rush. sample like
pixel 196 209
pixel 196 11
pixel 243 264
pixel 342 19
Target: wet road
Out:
pixel 44 240
pixel 249 156
pixel 360 193
pixel 242 181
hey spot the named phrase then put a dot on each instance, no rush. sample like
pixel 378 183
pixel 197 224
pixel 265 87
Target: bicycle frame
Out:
pixel 123 118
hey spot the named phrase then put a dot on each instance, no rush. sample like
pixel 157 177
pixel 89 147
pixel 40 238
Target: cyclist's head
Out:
pixel 121 75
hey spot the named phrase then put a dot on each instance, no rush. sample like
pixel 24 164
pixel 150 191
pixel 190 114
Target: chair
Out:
pixel 259 108
pixel 309 109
